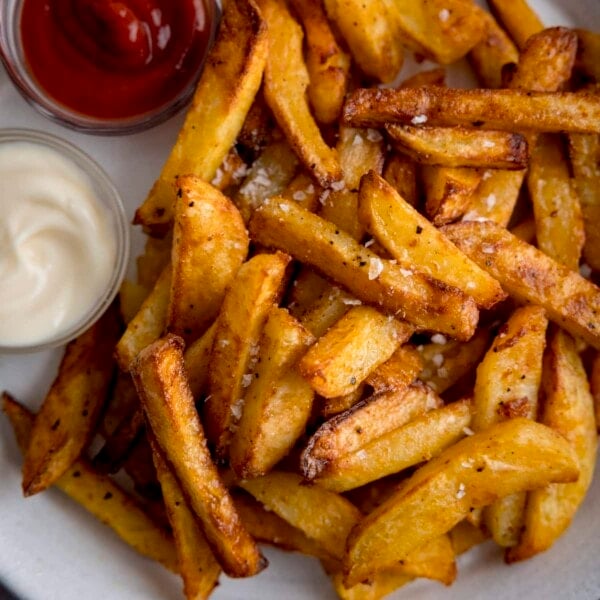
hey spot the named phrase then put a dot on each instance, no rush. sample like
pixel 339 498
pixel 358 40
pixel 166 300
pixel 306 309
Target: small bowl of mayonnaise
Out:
pixel 64 241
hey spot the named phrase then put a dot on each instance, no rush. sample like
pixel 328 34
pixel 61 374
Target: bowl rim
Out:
pixel 110 199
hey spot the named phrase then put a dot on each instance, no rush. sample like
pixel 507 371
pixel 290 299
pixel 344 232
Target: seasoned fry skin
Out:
pixel 223 97
pixel 69 414
pixel 101 496
pixel 512 456
pixel 159 375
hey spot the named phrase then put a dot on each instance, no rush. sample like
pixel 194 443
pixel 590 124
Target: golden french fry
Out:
pixel 588 54
pixel 159 375
pixel 435 76
pixel 518 19
pixel 371 32
pixel 380 585
pixel 227 87
pixel 69 414
pixel 401 173
pixel 303 190
pixel 285 82
pixel 155 257
pixel 231 171
pixel 255 289
pixel 329 407
pixel 443 30
pixel 529 275
pixel 197 565
pixel 101 496
pixel 569 409
pixel 556 208
pixel 328 66
pixel 516 455
pixel 197 360
pixel 122 402
pixel 506 110
pixel 131 298
pixel 351 349
pixel 322 515
pixel 461 147
pixel 310 239
pixel 401 369
pixel 464 536
pixel 364 423
pixel 148 324
pixel 210 244
pixel 525 230
pixel 327 310
pixel 413 241
pixel 423 437
pixel 276 394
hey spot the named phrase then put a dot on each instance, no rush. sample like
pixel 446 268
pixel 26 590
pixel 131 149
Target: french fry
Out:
pixel 556 208
pixel 434 76
pixel 525 230
pixel 381 584
pixel 401 173
pixel 412 240
pixel 569 409
pixel 465 536
pixel 351 349
pixel 223 97
pixel 329 407
pixel 584 151
pixel 282 224
pixel 122 402
pixel 159 376
pixel 494 51
pixel 303 190
pixel 268 176
pixel 285 82
pixel 100 496
pixel 420 439
pixel 401 369
pixel 506 110
pixel 155 257
pixel 131 298
pixel 327 310
pixel 197 565
pixel 443 30
pixel 71 409
pixel 210 243
pixel 308 288
pixel 518 19
pixel 140 468
pixel 328 66
pixel 461 147
pixel 365 422
pixel 256 288
pixel 197 360
pixel 588 54
pixel 371 32
pixel 149 323
pixel 276 394
pixel 595 386
pixel 322 515
pixel 529 275
pixel 446 363
pixel 448 192
pixel 516 455
pixel 231 171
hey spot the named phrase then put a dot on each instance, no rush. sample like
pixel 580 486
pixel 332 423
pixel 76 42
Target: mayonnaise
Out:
pixel 57 244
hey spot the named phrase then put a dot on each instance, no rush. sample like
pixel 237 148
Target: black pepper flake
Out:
pixel 191 204
pixel 352 380
pixel 419 230
pixel 107 496
pixel 55 425
pixel 179 192
pixel 76 473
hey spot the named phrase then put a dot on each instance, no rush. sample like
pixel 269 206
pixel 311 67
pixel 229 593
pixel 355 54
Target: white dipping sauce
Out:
pixel 57 247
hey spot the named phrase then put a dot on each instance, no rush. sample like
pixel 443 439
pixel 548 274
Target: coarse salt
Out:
pixel 236 409
pixel 487 248
pixel 444 15
pixel 468 431
pixel 406 272
pixel 373 135
pixel 419 119
pixel 375 268
pixel 442 373
pixel 338 186
pixel 357 141
pixel 351 301
pixel 461 493
pixel 585 270
pixel 369 242
pixel 299 195
pixel 438 338
pixel 284 207
pixel 246 380
pixel 438 360
pixel 488 144
pixel 490 201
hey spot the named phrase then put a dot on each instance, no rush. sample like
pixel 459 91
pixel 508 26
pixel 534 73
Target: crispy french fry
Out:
pixel 506 110
pixel 568 409
pixel 328 66
pixel 131 298
pixel 210 244
pixel 494 51
pixel 435 76
pixel 155 257
pixel 588 54
pixel 276 394
pixel 149 323
pixel 464 536
pixel 122 402
pixel 365 422
pixel 329 407
pixel 525 230
pixel 254 291
pixel 308 287
pixel 461 147
pixel 159 375
pixel 516 455
pixel 285 82
pixel 556 208
pixel 69 414
pixel 401 173
pixel 229 83
pixel 443 30
pixel 412 240
pixel 401 369
pixel 529 275
pixel 303 190
pixel 371 32
pixel 197 359
pixel 322 515
pixel 381 584
pixel 351 349
pixel 197 565
pixel 584 151
pixel 327 310
pixel 231 171
pixel 101 496
pixel 140 468
pixel 284 225
pixel 518 19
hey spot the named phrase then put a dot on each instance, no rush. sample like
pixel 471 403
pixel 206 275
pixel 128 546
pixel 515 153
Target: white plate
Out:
pixel 50 549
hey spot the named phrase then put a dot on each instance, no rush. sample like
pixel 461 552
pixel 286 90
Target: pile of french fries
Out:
pixel 365 325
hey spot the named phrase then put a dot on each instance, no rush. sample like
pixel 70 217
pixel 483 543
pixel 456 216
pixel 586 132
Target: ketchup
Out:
pixel 114 59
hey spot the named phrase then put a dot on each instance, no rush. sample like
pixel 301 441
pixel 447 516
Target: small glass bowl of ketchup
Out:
pixel 106 66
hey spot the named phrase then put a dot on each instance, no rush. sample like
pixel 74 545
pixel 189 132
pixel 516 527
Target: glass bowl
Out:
pixel 108 197
pixel 12 55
